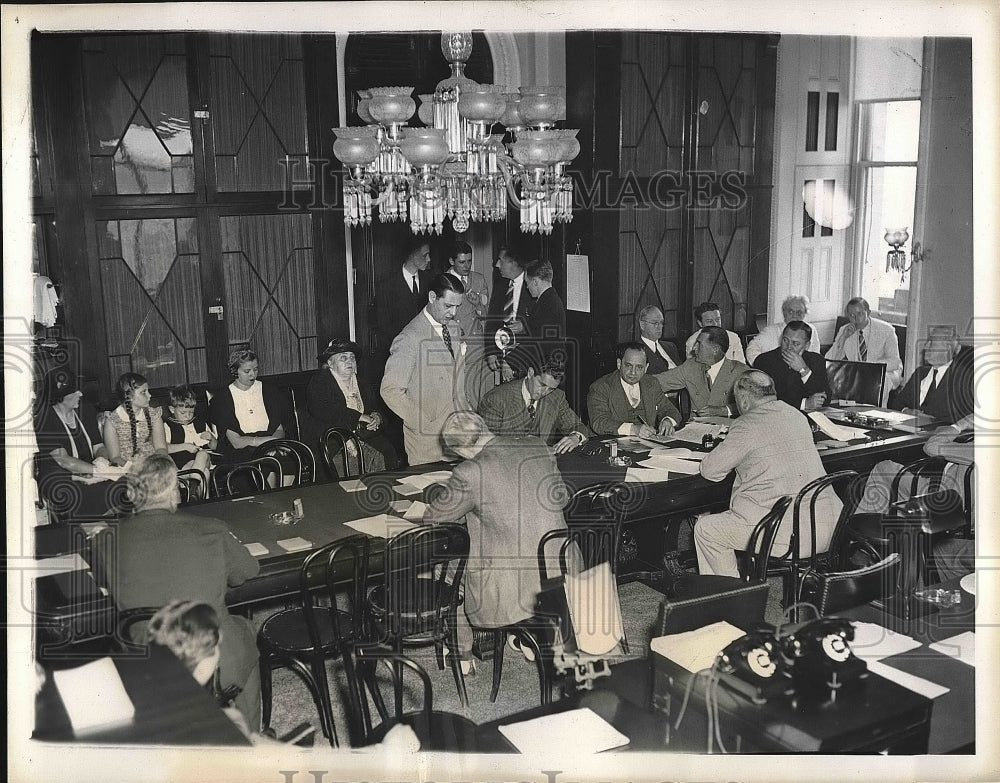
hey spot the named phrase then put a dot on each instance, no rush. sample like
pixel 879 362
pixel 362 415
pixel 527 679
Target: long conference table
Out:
pixel 71 618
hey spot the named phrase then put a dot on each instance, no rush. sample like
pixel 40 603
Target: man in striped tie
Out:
pixel 509 307
pixel 867 339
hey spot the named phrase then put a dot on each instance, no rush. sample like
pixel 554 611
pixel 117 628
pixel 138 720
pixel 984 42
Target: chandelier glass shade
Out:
pixel 457 167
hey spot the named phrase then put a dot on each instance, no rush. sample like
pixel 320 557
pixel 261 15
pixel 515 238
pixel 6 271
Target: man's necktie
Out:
pixel 931 386
pixel 708 380
pixel 862 346
pixel 508 304
pixel 446 336
pixel 531 412
pixel 416 286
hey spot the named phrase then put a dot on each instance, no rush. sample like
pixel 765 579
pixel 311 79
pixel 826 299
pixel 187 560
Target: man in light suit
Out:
pixel 628 402
pixel 507 491
pixel 424 378
pixel 709 314
pixel 708 376
pixel 535 405
pixel 477 293
pixel 794 308
pixel 661 355
pixel 867 339
pixel 770 446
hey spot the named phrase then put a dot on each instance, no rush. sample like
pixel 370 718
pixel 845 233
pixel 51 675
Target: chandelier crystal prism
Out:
pixel 457 167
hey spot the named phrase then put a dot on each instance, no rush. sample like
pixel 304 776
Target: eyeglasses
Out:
pixel 654 323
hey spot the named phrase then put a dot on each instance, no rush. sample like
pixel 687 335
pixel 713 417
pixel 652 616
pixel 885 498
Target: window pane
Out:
pixel 894 128
pixel 889 203
pixel 812 120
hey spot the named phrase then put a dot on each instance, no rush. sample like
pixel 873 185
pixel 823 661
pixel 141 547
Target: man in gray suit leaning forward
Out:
pixel 708 376
pixel 424 378
pixel 770 446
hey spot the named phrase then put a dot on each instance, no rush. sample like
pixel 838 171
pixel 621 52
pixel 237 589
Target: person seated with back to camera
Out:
pixel 189 437
pixel 134 429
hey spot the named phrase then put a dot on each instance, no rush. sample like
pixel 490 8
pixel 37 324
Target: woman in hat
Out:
pixel 338 397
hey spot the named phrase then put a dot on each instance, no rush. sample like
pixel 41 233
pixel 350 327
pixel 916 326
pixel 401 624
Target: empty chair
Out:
pixel 241 478
pixel 436 730
pixel 742 605
pixel 127 636
pixel 842 590
pixel 304 637
pixel 417 604
pixel 861 382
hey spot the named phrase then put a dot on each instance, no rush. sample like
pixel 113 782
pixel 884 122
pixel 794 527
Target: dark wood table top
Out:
pixel 170 708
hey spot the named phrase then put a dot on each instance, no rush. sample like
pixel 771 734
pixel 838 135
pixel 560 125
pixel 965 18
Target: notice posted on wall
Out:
pixel 578 283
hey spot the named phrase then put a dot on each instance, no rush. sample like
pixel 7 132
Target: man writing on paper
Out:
pixel 770 446
pixel 627 402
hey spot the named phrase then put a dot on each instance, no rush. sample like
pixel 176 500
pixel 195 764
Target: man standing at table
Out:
pixel 535 405
pixel 509 493
pixel 867 339
pixel 709 314
pixel 477 293
pixel 628 402
pixel 401 295
pixel 770 446
pixel 794 308
pixel 942 386
pixel 424 378
pixel 661 355
pixel 799 375
pixel 708 376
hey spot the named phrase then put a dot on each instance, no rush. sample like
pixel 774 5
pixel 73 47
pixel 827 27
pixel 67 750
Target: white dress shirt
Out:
pixel 925 384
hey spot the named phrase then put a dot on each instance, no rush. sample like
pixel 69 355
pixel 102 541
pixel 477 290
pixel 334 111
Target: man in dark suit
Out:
pixel 402 294
pixel 661 354
pixel 942 386
pixel 628 402
pixel 509 306
pixel 535 406
pixel 799 375
pixel 547 318
pixel 708 376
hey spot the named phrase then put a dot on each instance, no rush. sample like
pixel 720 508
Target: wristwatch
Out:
pixel 804 371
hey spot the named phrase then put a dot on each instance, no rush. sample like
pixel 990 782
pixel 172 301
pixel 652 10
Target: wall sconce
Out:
pixel 896 258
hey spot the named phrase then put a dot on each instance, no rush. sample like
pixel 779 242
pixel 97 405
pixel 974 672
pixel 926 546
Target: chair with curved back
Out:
pixel 436 730
pixel 255 471
pixel 862 382
pixel 294 453
pixel 192 485
pixel 418 601
pixel 304 637
pixel 842 590
pixel 125 638
pixel 344 446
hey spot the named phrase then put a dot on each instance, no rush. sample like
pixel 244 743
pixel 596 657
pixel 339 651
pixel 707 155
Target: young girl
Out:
pixel 133 429
pixel 188 437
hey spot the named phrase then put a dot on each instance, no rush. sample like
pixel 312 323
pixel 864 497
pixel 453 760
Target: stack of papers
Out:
pixel 257 550
pixel 93 695
pixel 296 544
pixel 694 431
pixel 574 731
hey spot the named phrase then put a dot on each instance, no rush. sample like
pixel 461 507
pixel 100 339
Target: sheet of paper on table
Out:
pixel 916 684
pixel 400 506
pixel 674 465
pixel 642 475
pixel 380 525
pixel 694 431
pixel 962 647
pixel 682 453
pixel 873 642
pixel 60 565
pixel 574 732
pixel 352 485
pixel 257 549
pixel 696 650
pixel 93 695
pixel 406 489
pixel 835 431
pixel 416 511
pixel 424 480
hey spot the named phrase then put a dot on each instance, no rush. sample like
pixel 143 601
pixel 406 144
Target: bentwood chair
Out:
pixel 242 477
pixel 304 637
pixel 347 456
pixel 861 382
pixel 127 636
pixel 192 485
pixel 418 603
pixel 841 590
pixel 296 458
pixel 436 730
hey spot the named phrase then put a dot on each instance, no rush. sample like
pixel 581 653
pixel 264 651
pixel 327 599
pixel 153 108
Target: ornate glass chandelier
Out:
pixel 456 166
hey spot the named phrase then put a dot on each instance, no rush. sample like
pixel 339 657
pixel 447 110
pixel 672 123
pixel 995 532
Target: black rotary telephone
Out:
pixel 753 666
pixel 821 655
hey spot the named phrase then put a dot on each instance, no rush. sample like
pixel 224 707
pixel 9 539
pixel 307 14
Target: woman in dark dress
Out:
pixel 338 397
pixel 68 445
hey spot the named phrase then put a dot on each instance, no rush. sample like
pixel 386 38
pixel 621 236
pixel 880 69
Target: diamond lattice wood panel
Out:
pixel 271 304
pixel 151 285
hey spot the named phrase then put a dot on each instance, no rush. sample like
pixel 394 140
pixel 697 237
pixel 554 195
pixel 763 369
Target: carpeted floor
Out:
pixel 292 704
